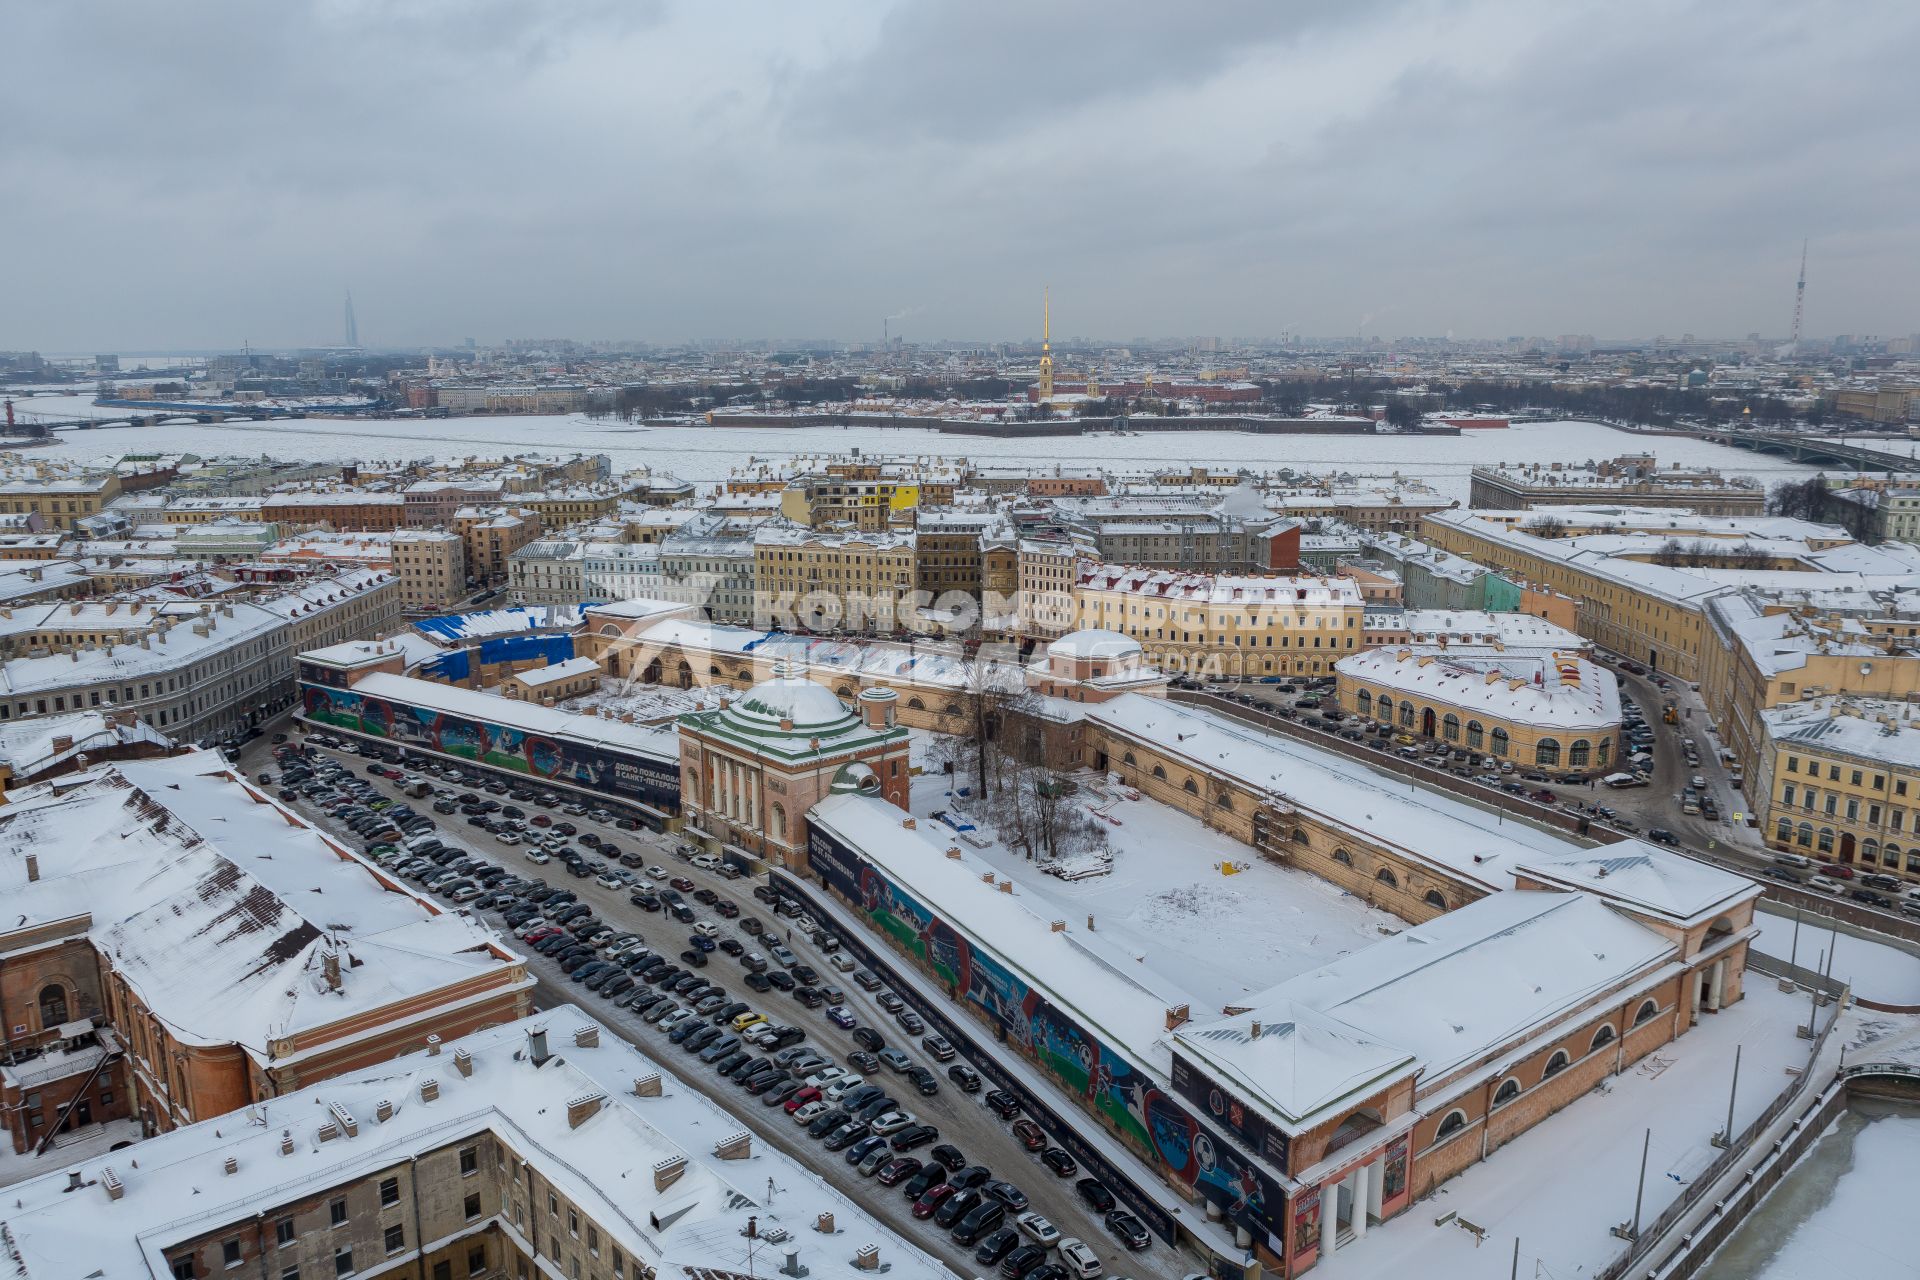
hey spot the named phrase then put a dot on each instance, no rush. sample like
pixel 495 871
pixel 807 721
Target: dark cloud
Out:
pixel 199 175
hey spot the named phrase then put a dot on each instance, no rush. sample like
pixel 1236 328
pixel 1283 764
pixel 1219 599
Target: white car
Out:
pixel 707 862
pixel 707 929
pixel 843 1086
pixel 532 927
pixel 465 893
pixel 539 857
pixel 1079 1259
pixel 674 1019
pixel 1037 1229
pixel 507 837
pixel 806 1114
pixel 656 873
pixel 825 1076
pixel 892 1122
pixel 759 1033
pixel 1824 884
pixel 841 961
pixel 610 881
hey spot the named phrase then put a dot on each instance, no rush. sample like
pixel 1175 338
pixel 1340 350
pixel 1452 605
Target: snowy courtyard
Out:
pixel 1218 935
pixel 1562 1185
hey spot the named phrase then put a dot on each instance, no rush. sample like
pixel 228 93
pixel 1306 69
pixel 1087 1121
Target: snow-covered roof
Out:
pixel 1294 1059
pixel 1425 825
pixel 1117 998
pixel 1221 588
pixel 1646 878
pixel 454 628
pixel 1446 993
pixel 174 1188
pixel 1871 729
pixel 515 713
pixel 32 745
pixel 218 905
pixel 1094 642
pixel 1563 693
pixel 556 672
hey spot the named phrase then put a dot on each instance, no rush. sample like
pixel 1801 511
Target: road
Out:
pixel 961 1118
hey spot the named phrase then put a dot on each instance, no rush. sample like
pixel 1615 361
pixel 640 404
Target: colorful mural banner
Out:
pixel 652 782
pixel 1153 1122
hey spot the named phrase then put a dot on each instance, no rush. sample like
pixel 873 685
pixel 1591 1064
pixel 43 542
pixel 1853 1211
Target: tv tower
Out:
pixel 352 331
pixel 1799 300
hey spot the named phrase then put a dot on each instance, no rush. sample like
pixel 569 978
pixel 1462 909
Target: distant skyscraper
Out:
pixel 352 332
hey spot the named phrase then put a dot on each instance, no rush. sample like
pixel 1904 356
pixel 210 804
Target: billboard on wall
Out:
pixel 1154 1123
pixel 651 782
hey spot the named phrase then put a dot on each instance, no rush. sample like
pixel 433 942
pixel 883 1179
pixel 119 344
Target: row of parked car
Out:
pixel 844 1107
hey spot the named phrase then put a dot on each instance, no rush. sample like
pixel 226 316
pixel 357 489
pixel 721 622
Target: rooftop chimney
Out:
pixel 383 1111
pixel 824 1224
pixel 537 1046
pixel 429 1089
pixel 735 1146
pixel 667 1172
pixel 587 1037
pixel 868 1259
pixel 582 1108
pixel 286 1142
pixel 463 1063
pixel 647 1086
pixel 231 1165
pixel 433 1046
pixel 33 867
pixel 1177 1017
pixel 111 1181
pixel 330 968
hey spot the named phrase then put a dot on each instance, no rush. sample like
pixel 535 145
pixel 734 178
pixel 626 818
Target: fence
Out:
pixel 1654 1233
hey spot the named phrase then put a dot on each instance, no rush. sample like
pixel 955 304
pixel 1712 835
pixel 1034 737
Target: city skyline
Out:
pixel 664 174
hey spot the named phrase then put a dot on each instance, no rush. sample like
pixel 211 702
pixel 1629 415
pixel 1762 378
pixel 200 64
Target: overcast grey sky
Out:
pixel 200 173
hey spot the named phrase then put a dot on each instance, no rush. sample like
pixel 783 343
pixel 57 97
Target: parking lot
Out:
pixel 716 918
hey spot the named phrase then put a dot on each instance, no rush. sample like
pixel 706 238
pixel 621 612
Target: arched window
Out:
pixel 1224 801
pixel 1127 758
pixel 53 1005
pixel 713 670
pixel 1509 1090
pixel 1476 736
pixel 1602 1035
pixel 914 704
pixel 1363 703
pixel 1433 899
pixel 1499 747
pixel 1578 753
pixel 1450 727
pixel 1646 1010
pixel 1299 836
pixel 1826 839
pixel 1556 1064
pixel 1160 773
pixel 1891 854
pixel 1342 857
pixel 1454 1122
pixel 1545 752
pixel 777 822
pixel 951 709
pixel 1870 851
pixel 1783 832
pixel 1605 752
pixel 1385 876
pixel 1805 834
pixel 843 691
pixel 1406 715
pixel 1189 788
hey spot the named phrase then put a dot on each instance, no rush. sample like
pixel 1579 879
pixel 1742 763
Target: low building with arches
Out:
pixel 1299 1115
pixel 1558 712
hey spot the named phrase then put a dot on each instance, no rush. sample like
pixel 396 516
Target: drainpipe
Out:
pixel 419 1242
pixel 260 1241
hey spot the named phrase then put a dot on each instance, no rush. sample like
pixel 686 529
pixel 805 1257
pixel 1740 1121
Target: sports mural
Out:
pixel 653 782
pixel 1154 1123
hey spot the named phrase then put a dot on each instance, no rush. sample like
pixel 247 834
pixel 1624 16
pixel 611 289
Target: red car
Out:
pixel 801 1099
pixel 1838 870
pixel 898 1170
pixel 926 1204
pixel 1029 1134
pixel 681 883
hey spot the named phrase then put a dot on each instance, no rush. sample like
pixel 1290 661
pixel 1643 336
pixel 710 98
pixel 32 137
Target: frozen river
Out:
pixel 705 454
pixel 1838 1212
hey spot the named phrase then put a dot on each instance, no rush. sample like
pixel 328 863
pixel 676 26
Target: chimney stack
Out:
pixel 667 1172
pixel 582 1108
pixel 647 1086
pixel 111 1181
pixel 286 1142
pixel 231 1165
pixel 735 1146
pixel 330 968
pixel 824 1224
pixel 463 1063
pixel 587 1037
pixel 433 1046
pixel 1177 1017
pixel 537 1046
pixel 868 1259
pixel 33 867
pixel 429 1089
